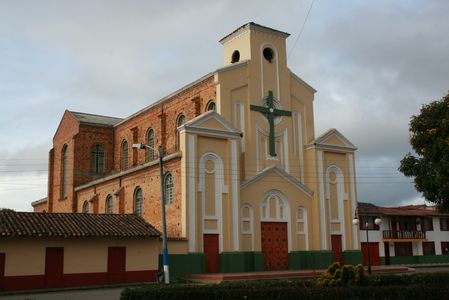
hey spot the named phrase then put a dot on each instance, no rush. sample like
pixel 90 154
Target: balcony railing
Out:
pixel 404 235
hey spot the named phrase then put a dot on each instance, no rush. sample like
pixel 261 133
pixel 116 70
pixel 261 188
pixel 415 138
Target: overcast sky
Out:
pixel 373 63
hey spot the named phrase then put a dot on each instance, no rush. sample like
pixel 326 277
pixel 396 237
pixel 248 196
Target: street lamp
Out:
pixel 164 223
pixel 377 221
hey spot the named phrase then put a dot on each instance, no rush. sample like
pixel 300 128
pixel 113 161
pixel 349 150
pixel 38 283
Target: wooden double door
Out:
pixel 274 245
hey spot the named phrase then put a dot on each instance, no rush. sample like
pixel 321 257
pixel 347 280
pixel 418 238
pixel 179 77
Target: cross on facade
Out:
pixel 270 112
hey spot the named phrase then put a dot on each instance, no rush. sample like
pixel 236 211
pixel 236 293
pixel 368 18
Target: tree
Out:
pixel 429 138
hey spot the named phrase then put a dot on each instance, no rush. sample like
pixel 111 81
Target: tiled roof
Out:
pixel 29 224
pixel 86 118
pixel 408 210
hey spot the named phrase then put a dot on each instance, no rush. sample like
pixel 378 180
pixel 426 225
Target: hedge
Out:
pixel 426 286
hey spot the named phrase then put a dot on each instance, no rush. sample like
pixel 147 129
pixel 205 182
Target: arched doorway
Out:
pixel 275 230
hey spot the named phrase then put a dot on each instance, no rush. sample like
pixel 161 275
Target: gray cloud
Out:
pixel 373 64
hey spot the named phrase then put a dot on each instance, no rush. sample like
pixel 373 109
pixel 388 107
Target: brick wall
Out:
pixel 162 118
pixel 64 136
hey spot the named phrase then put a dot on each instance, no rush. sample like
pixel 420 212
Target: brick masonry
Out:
pixel 80 138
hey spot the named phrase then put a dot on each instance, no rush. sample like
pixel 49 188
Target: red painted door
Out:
pixel 116 264
pixel 2 269
pixel 336 247
pixel 211 253
pixel 54 266
pixel 374 254
pixel 274 245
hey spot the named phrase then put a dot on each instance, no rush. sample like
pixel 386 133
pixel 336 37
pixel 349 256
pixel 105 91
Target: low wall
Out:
pixel 416 260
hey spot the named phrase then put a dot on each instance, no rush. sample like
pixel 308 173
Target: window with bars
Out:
pixel 426 224
pixel 211 105
pixel 64 161
pixel 85 207
pixel 180 122
pixel 428 248
pixel 109 205
pixel 151 144
pixel 169 195
pixel 124 155
pixel 97 159
pixel 444 224
pixel 138 200
pixel 403 249
pixel 445 248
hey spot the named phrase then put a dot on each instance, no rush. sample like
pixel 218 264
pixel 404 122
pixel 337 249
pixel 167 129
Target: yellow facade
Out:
pixel 230 181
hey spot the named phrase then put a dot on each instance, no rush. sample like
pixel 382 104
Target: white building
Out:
pixel 406 235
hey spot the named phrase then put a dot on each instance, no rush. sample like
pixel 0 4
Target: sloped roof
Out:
pixel 257 27
pixel 40 201
pixel 90 119
pixel 64 225
pixel 408 210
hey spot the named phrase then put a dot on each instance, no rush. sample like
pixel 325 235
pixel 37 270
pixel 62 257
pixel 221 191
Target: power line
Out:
pixel 302 28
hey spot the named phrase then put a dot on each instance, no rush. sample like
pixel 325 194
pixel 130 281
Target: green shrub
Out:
pixel 426 286
pixel 341 275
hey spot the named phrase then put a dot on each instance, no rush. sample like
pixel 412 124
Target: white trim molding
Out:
pixel 322 204
pixel 353 199
pixel 339 182
pixel 234 196
pixel 192 193
pixel 219 186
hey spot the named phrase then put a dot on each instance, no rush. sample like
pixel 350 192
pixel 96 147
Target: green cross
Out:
pixel 271 112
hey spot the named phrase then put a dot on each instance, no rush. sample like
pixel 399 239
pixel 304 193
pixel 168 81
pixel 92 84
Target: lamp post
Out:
pixel 164 222
pixel 377 221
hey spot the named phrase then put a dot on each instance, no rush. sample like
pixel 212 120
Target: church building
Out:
pixel 248 184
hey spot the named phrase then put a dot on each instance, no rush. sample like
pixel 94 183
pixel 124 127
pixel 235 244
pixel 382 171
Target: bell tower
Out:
pixel 265 49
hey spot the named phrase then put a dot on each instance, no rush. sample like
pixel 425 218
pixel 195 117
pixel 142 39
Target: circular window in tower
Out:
pixel 268 53
pixel 235 56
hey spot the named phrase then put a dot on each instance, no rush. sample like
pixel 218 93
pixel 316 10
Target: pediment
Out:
pixel 275 174
pixel 333 139
pixel 210 123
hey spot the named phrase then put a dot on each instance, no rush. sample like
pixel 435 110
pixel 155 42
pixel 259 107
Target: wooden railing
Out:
pixel 404 235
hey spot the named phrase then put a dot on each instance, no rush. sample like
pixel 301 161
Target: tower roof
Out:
pixel 255 27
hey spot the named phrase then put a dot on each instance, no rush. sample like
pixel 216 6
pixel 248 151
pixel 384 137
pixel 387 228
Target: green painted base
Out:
pixel 416 260
pixel 310 260
pixel 352 257
pixel 183 264
pixel 233 262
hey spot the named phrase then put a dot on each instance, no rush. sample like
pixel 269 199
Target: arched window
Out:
pixel 181 120
pixel 151 144
pixel 124 155
pixel 65 171
pixel 109 205
pixel 138 199
pixel 169 195
pixel 247 227
pixel 85 207
pixel 97 159
pixel 211 105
